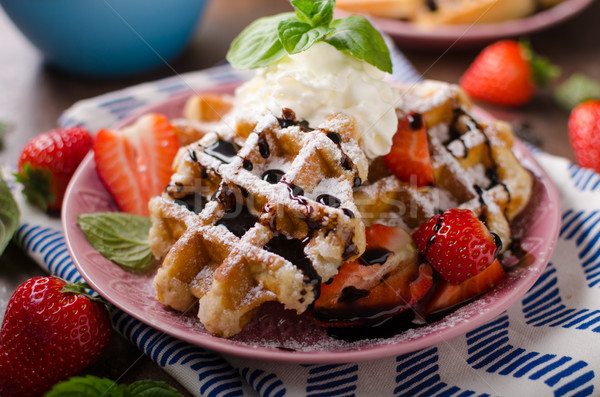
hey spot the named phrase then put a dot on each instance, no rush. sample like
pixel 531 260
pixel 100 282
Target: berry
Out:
pixel 584 134
pixel 507 73
pixel 47 163
pixel 384 281
pixel 135 163
pixel 409 157
pixel 51 331
pixel 456 244
pixel 448 295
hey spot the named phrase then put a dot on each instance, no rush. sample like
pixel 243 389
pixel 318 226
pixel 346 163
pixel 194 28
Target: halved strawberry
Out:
pixel 409 157
pixel 387 279
pixel 447 295
pixel 457 244
pixel 135 163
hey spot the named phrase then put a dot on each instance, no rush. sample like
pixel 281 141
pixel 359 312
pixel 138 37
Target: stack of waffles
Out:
pixel 266 208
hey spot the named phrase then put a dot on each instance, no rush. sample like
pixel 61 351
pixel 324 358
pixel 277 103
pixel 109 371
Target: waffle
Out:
pixel 267 209
pixel 474 167
pixel 263 218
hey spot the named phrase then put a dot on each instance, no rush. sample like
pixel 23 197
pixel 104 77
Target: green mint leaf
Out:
pixel 9 214
pixel 120 237
pixel 314 12
pixel 148 388
pixel 576 89
pixel 89 386
pixel 356 36
pixel 258 44
pixel 300 36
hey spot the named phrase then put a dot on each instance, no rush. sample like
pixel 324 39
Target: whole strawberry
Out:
pixel 48 162
pixel 507 73
pixel 584 134
pixel 51 331
pixel 457 244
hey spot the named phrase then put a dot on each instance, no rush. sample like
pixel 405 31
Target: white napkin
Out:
pixel 544 345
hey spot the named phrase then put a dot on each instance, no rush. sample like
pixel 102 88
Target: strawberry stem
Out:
pixel 543 70
pixel 82 288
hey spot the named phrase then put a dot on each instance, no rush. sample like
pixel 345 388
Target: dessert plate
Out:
pixel 280 335
pixel 410 35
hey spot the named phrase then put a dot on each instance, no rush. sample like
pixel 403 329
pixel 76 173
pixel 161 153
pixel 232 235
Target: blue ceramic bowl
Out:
pixel 107 38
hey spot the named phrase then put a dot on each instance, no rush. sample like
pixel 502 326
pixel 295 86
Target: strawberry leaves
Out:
pixel 268 39
pixel 36 186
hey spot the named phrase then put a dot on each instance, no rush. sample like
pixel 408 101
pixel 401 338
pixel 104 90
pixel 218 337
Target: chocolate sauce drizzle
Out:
pixel 293 250
pixel 238 221
pixel 288 119
pixel 222 150
pixel 374 256
pixel 193 202
pixel 351 294
pixel 329 200
pixel 272 176
pixel 263 147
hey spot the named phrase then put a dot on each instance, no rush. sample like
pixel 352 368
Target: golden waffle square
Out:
pixel 267 218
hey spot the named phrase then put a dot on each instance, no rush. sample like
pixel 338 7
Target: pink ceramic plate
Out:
pixel 410 35
pixel 276 334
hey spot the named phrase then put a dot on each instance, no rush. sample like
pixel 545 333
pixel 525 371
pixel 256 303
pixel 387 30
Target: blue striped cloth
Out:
pixel 544 345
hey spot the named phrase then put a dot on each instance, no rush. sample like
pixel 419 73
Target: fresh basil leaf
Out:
pixel 149 388
pixel 314 12
pixel 120 237
pixel 258 44
pixel 356 36
pixel 89 386
pixel 299 36
pixel 9 214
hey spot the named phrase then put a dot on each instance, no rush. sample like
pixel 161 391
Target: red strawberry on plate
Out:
pixel 51 331
pixel 447 295
pixel 135 163
pixel 387 279
pixel 457 244
pixel 584 134
pixel 507 73
pixel 409 157
pixel 47 163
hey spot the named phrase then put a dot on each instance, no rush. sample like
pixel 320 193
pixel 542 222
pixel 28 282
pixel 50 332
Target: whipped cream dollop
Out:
pixel 322 81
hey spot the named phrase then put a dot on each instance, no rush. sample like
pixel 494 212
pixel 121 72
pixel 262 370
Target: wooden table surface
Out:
pixel 33 95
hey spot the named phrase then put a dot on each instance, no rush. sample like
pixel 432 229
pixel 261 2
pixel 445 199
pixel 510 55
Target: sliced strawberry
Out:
pixel 447 295
pixel 456 244
pixel 135 163
pixel 409 157
pixel 384 281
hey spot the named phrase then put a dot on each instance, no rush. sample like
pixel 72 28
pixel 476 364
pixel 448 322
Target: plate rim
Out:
pixel 476 33
pixel 378 351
